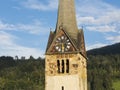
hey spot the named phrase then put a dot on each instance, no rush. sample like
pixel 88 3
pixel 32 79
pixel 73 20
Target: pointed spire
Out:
pixel 67 18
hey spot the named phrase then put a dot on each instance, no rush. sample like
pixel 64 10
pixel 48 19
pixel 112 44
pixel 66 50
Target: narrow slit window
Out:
pixel 67 66
pixel 62 88
pixel 58 65
pixel 62 66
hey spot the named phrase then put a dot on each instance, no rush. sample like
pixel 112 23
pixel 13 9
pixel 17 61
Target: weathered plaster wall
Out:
pixel 76 78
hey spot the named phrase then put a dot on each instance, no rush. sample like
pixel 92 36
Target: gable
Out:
pixel 61 44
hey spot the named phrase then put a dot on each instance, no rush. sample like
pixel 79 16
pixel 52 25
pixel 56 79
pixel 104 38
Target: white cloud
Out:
pixel 20 51
pixel 5 39
pixel 8 47
pixel 39 5
pixel 6 26
pixel 104 28
pixel 113 39
pixel 16 7
pixel 35 27
pixel 94 7
pixel 96 45
pixel 97 15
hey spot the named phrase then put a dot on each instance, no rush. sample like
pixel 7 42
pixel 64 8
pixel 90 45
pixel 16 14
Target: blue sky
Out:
pixel 25 24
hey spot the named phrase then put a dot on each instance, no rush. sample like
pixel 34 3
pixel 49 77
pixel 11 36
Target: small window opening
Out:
pixel 62 88
pixel 62 66
pixel 58 65
pixel 67 66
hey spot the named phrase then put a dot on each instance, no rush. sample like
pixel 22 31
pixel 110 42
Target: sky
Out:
pixel 25 24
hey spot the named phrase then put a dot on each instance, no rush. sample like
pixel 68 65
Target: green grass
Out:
pixel 116 84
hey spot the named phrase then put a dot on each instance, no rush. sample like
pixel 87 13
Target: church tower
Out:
pixel 65 60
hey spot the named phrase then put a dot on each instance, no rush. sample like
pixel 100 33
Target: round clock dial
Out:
pixel 62 44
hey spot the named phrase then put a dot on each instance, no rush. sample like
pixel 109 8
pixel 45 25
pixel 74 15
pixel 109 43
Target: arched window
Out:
pixel 67 66
pixel 58 65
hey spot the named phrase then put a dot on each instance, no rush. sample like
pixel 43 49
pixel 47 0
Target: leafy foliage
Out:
pixel 104 67
pixel 21 74
pixel 116 84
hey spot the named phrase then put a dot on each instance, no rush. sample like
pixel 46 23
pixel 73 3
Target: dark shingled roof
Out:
pixel 51 37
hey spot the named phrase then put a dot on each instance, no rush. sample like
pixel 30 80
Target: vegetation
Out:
pixel 104 68
pixel 21 74
pixel 107 50
pixel 116 84
pixel 103 72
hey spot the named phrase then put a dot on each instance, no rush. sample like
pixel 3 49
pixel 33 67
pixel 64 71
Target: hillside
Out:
pixel 107 50
pixel 104 68
pixel 103 71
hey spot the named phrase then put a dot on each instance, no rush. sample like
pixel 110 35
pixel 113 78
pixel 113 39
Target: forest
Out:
pixel 104 68
pixel 21 74
pixel 103 71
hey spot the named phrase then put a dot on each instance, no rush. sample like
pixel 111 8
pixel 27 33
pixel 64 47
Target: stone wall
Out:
pixel 77 72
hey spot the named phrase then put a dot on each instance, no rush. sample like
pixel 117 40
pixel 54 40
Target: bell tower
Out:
pixel 65 59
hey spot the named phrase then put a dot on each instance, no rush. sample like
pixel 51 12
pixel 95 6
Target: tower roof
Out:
pixel 67 22
pixel 67 18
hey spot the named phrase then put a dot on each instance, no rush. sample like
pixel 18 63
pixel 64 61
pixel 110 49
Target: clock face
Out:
pixel 62 44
